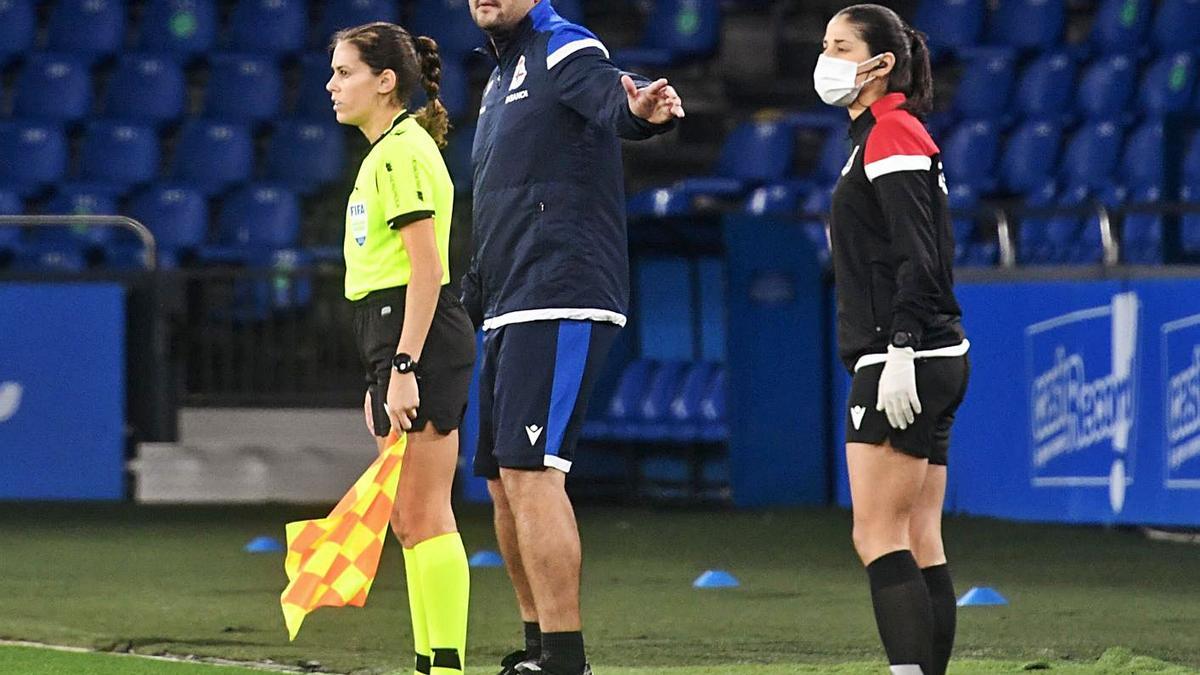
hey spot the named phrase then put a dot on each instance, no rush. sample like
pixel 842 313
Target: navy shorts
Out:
pixel 534 385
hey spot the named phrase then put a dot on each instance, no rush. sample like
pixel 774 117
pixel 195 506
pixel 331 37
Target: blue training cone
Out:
pixel 263 545
pixel 716 579
pixel 981 596
pixel 486 559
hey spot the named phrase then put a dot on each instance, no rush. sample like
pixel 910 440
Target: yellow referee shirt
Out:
pixel 403 179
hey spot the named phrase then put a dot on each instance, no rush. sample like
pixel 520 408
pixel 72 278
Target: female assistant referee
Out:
pixel 413 335
pixel 899 327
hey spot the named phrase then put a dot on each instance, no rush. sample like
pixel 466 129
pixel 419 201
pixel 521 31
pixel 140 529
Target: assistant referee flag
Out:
pixel 331 561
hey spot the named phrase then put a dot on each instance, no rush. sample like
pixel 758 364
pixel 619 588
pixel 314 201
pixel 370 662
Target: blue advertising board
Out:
pixel 62 391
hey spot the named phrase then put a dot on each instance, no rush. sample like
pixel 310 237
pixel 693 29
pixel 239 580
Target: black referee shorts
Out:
pixel 941 386
pixel 446 364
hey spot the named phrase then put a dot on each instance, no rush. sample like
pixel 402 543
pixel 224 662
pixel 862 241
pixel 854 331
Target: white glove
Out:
pixel 898 388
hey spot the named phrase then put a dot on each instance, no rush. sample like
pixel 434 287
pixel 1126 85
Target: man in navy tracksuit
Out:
pixel 549 282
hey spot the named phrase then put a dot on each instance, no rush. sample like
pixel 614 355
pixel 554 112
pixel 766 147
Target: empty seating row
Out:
pixel 665 402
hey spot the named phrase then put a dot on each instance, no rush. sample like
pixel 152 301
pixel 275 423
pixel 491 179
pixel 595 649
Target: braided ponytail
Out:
pixel 433 117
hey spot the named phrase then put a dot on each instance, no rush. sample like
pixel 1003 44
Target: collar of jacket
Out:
pixel 504 46
pixel 885 104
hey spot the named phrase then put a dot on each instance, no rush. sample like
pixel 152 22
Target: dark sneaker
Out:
pixel 536 668
pixel 508 664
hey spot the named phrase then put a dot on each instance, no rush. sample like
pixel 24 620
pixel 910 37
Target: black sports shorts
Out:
pixel 941 385
pixel 445 367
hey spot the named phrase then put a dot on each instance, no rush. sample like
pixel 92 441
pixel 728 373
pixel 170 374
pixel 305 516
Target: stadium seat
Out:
pixel 242 88
pixel 1046 88
pixel 1028 24
pixel 18 26
pixel 176 215
pixel 1167 85
pixel 713 412
pixel 456 91
pixel 1049 239
pixel 623 404
pixel 1141 233
pixel 659 202
pixel 80 200
pixel 1191 161
pixel 53 88
pixel 987 81
pixel 834 153
pixel 312 101
pixel 1106 86
pixel 650 421
pixel 1120 26
pixel 32 156
pixel 951 24
pixel 969 154
pixel 448 22
pixel 268 27
pixel 1142 162
pixel 182 28
pixel 571 10
pixel 1177 25
pixel 339 14
pixel 212 155
pixel 10 236
pixel 1091 155
pixel 458 157
pixel 1190 223
pixel 753 153
pixel 1030 156
pixel 90 29
pixel 146 88
pixel 304 156
pixel 55 258
pixel 676 31
pixel 119 155
pixel 259 217
pixel 777 199
pixel 683 414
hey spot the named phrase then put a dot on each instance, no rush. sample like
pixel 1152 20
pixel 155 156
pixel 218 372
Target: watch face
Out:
pixel 901 339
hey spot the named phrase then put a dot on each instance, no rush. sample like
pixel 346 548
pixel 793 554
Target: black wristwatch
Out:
pixel 403 363
pixel 902 339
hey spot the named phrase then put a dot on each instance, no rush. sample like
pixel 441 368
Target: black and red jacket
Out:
pixel 893 243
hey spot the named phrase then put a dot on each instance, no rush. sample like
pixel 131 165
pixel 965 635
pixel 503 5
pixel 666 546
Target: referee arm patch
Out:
pixel 408 218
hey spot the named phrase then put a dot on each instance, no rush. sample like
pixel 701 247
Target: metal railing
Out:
pixel 143 233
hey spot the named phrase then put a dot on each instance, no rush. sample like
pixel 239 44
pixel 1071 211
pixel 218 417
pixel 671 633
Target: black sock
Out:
pixel 533 640
pixel 903 611
pixel 562 653
pixel 945 612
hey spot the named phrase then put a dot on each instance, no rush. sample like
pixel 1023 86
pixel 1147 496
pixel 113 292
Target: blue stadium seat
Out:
pixel 1177 25
pixel 651 422
pixel 80 200
pixel 53 88
pixel 119 155
pixel 713 411
pixel 1190 223
pixel 304 156
pixel 56 258
pixel 182 28
pixel 777 199
pixel 1120 26
pixel 455 90
pixel 146 88
pixel 683 414
pixel 951 24
pixel 1142 162
pixel 970 155
pixel 987 81
pixel 1141 233
pixel 623 404
pixel 10 236
pixel 448 22
pixel 660 202
pixel 1049 240
pixel 268 27
pixel 676 31
pixel 177 215
pixel 962 200
pixel 1106 86
pixel 313 102
pixel 1191 161
pixel 339 14
pixel 259 217
pixel 32 156
pixel 212 155
pixel 757 152
pixel 1046 87
pixel 1028 24
pixel 242 88
pixel 458 157
pixel 18 26
pixel 1167 85
pixel 1030 156
pixel 834 153
pixel 89 28
pixel 571 10
pixel 1091 155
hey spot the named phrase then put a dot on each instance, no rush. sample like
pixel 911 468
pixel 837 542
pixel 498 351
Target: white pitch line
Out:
pixel 201 660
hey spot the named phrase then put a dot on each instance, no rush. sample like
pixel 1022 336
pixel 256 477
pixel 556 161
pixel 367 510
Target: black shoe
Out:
pixel 536 668
pixel 508 664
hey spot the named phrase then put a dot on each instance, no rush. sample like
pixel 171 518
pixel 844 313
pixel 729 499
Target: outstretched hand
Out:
pixel 657 103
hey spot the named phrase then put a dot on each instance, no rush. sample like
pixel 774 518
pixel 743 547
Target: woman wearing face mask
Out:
pixel 899 327
pixel 414 337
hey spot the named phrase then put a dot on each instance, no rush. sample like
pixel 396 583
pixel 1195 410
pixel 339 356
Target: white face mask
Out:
pixel 834 79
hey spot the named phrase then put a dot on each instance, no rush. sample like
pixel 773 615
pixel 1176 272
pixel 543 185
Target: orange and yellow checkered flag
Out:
pixel 331 561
